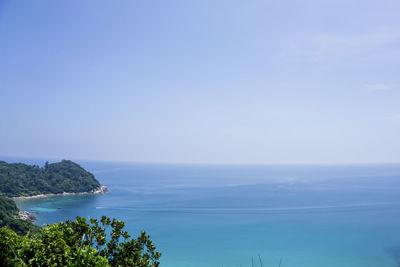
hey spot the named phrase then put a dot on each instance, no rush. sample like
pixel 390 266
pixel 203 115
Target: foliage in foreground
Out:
pixel 78 243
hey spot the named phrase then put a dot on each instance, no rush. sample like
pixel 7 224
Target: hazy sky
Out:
pixel 205 81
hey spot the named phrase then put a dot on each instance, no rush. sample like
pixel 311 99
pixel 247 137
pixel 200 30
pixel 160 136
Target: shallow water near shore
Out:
pixel 199 215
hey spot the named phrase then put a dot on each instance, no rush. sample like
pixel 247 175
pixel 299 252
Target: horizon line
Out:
pixel 199 163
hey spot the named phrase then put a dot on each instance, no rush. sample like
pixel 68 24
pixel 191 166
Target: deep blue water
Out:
pixel 201 215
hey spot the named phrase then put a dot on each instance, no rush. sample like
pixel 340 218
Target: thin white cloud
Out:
pixel 356 41
pixel 395 117
pixel 380 86
pixel 320 47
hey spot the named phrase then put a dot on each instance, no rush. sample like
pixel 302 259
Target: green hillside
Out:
pixel 18 179
pixel 9 215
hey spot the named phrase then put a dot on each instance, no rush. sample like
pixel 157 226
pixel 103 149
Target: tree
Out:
pixel 78 243
pixel 10 242
pixel 120 250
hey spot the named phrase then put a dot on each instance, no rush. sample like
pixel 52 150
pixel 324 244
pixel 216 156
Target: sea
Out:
pixel 246 215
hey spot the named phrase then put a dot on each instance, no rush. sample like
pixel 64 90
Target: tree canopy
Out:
pixel 101 242
pixel 18 179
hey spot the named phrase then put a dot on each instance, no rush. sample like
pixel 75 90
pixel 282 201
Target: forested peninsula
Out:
pixel 22 180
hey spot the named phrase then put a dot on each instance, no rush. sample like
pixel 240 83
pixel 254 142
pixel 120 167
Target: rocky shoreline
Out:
pixel 26 216
pixel 101 190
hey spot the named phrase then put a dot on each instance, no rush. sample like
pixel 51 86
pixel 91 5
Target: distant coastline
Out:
pixel 101 190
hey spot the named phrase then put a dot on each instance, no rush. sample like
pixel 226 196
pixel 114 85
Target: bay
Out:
pixel 223 215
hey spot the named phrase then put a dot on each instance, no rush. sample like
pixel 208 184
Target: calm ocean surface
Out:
pixel 199 215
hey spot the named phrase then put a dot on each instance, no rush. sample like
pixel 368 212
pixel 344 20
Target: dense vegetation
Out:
pixel 9 217
pixel 18 179
pixel 78 243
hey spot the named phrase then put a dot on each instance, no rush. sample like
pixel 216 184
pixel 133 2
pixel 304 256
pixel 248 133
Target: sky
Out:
pixel 202 81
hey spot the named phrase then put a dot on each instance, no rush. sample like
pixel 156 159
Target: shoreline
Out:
pixel 26 216
pixel 101 190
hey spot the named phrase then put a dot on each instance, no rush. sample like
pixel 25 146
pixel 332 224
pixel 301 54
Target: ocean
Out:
pixel 222 215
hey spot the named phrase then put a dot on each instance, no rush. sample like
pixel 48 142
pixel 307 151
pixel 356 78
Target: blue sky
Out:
pixel 259 82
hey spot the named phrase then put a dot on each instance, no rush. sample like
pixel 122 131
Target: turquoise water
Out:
pixel 225 215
